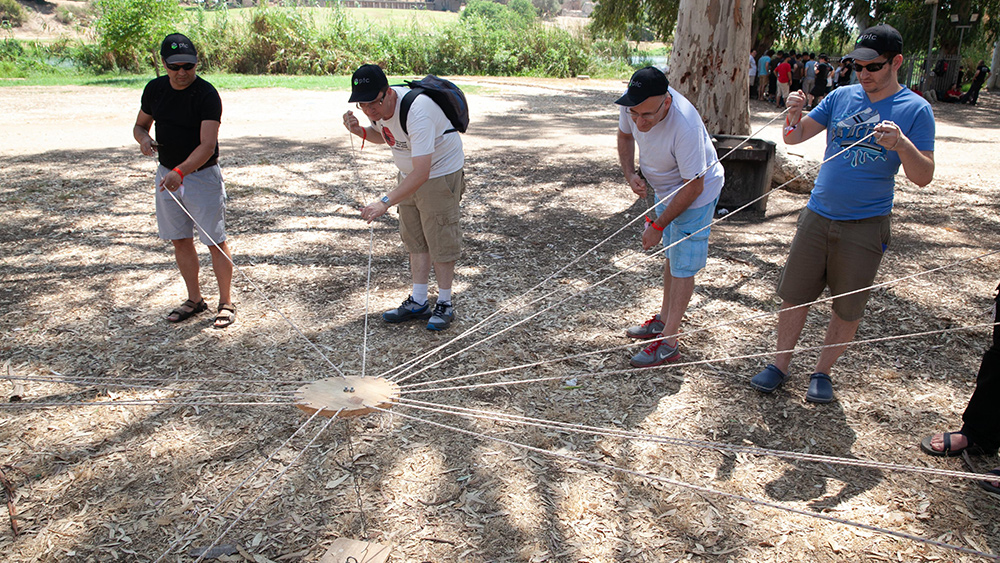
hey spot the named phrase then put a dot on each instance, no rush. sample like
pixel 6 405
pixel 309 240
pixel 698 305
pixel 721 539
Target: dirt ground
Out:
pixel 85 283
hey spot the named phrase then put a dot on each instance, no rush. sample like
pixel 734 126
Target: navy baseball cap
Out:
pixel 876 40
pixel 645 83
pixel 178 49
pixel 366 83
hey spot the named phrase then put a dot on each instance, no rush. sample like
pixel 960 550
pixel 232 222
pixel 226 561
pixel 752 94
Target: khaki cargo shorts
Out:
pixel 429 219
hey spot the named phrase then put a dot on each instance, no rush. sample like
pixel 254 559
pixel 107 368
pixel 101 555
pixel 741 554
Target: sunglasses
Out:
pixel 185 66
pixel 870 67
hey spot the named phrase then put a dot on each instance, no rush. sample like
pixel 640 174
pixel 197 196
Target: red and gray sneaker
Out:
pixel 407 311
pixel 647 330
pixel 657 353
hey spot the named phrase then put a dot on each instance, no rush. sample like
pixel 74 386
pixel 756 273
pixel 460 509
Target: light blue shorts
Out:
pixel 690 253
pixel 204 197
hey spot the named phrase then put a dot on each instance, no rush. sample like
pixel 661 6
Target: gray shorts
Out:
pixel 205 199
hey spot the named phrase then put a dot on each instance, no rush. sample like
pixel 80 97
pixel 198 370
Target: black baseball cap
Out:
pixel 178 49
pixel 645 83
pixel 876 40
pixel 366 83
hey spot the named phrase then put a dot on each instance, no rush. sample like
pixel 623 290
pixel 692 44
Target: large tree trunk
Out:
pixel 710 60
pixel 991 82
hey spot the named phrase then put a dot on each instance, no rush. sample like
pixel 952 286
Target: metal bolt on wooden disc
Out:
pixel 351 395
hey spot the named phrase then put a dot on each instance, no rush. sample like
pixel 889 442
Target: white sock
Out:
pixel 420 293
pixel 444 295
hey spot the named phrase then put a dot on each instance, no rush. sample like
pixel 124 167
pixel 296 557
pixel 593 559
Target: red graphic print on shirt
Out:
pixel 387 135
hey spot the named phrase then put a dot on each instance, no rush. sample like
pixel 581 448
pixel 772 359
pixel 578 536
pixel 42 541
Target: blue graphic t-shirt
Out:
pixel 859 183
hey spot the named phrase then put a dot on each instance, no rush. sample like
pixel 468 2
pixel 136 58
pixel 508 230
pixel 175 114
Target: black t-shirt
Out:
pixel 822 71
pixel 177 115
pixel 980 76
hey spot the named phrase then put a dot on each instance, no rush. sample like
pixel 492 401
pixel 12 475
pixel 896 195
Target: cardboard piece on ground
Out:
pixel 362 552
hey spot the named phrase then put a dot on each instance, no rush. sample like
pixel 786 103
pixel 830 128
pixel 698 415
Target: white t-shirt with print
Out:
pixel 427 124
pixel 675 149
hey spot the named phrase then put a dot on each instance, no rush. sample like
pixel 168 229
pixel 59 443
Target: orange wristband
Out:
pixel 364 137
pixel 179 173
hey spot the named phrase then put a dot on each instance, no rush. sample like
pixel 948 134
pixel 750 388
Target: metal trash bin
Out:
pixel 748 173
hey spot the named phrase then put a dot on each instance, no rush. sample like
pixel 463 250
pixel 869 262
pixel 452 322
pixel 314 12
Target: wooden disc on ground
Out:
pixel 345 397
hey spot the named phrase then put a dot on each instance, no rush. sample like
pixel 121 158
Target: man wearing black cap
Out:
pixel 187 111
pixel 428 152
pixel 678 160
pixel 844 230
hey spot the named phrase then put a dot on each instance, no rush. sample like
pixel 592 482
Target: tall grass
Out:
pixel 274 40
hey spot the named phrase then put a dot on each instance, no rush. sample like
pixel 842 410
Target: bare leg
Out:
pixel 223 269
pixel 839 332
pixel 420 267
pixel 187 262
pixel 444 273
pixel 790 323
pixel 677 294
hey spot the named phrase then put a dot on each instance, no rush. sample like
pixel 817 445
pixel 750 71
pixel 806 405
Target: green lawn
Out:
pixel 221 81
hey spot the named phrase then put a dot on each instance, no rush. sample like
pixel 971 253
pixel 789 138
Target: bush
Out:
pixel 130 31
pixel 73 13
pixel 12 14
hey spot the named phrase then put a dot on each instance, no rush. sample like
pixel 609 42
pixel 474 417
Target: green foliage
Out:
pixel 515 14
pixel 130 31
pixel 635 20
pixel 547 8
pixel 12 14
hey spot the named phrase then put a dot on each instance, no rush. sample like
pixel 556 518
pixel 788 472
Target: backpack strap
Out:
pixel 404 108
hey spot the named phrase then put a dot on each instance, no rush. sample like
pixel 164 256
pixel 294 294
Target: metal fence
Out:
pixel 943 72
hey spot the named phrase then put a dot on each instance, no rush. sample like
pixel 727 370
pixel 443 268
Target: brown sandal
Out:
pixel 180 314
pixel 226 315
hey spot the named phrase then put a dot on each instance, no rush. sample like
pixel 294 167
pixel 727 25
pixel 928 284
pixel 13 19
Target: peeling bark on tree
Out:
pixel 710 60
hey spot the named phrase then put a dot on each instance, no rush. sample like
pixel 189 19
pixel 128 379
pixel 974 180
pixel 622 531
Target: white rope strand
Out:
pixel 618 273
pixel 676 441
pixel 502 310
pixel 91 382
pixel 259 291
pixel 269 485
pixel 702 489
pixel 704 329
pixel 410 391
pixel 237 488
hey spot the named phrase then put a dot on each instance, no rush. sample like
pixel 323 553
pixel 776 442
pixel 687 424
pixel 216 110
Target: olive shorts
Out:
pixel 429 219
pixel 844 255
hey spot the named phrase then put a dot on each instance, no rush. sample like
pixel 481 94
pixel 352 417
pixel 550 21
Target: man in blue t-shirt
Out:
pixel 844 229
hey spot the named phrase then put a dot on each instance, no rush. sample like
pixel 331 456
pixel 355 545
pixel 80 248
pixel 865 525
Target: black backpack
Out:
pixel 446 95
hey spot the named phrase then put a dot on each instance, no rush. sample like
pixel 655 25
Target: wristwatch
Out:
pixel 385 200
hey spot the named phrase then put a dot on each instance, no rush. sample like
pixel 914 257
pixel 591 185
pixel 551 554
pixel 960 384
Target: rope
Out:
pixel 703 489
pixel 686 442
pixel 273 394
pixel 138 403
pixel 259 291
pixel 705 329
pixel 238 487
pixel 501 310
pixel 269 485
pixel 368 289
pixel 409 391
pixel 612 276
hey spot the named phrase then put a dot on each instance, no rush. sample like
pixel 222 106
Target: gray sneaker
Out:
pixel 657 353
pixel 649 329
pixel 408 310
pixel 444 313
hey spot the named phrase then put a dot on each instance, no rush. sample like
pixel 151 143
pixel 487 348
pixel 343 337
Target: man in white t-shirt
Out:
pixel 428 152
pixel 677 159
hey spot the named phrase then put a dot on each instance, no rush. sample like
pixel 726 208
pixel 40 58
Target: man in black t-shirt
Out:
pixel 972 96
pixel 187 112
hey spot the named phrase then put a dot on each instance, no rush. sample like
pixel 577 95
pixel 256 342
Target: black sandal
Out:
pixel 179 314
pixel 948 451
pixel 223 320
